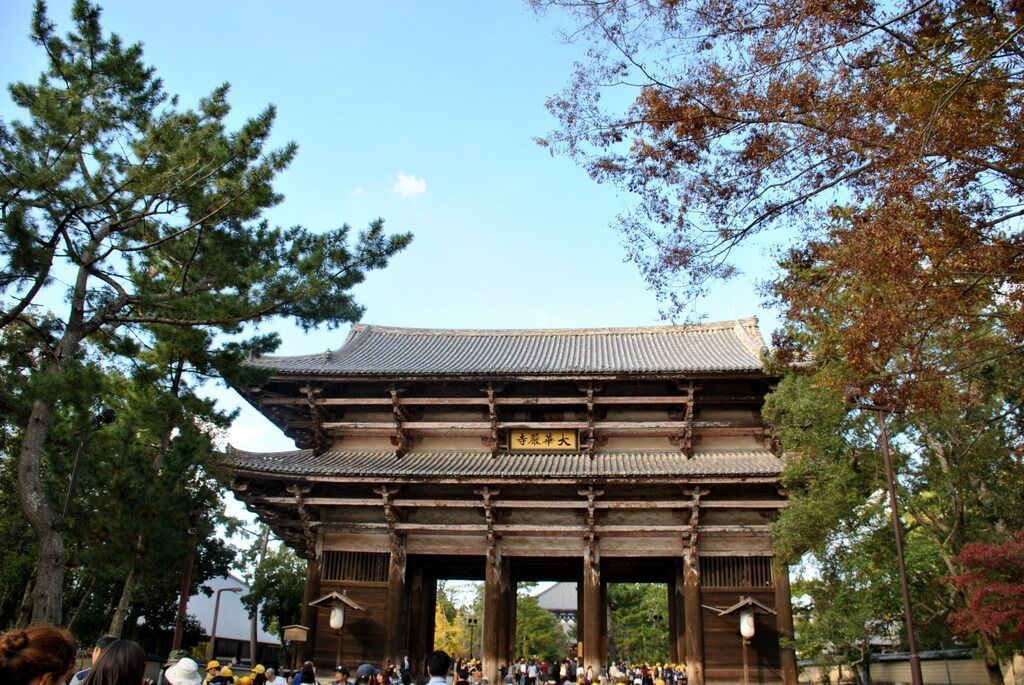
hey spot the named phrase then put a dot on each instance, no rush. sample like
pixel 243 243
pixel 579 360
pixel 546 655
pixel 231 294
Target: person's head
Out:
pixel 185 671
pixel 438 663
pixel 100 645
pixel 212 667
pixel 271 673
pixel 122 663
pixel 40 655
pixel 308 668
pixel 227 675
pixel 379 678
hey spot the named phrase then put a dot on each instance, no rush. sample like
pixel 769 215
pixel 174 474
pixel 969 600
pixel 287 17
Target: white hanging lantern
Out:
pixel 747 623
pixel 337 616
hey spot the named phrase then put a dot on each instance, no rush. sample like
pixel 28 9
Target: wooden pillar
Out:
pixel 593 615
pixel 579 617
pixel 309 613
pixel 415 590
pixel 493 614
pixel 429 619
pixel 507 629
pixel 784 617
pixel 396 602
pixel 694 619
pixel 606 624
pixel 676 616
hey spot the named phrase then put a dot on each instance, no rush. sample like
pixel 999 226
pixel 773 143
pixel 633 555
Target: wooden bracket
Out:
pixel 591 496
pixel 400 440
pixel 489 495
pixel 589 448
pixel 695 494
pixel 307 527
pixel 320 441
pixel 391 517
pixel 686 443
pixel 492 413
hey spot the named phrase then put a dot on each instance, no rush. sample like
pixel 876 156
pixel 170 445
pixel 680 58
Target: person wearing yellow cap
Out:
pixel 259 674
pixel 212 671
pixel 225 677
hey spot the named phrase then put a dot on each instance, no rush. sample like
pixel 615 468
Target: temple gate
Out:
pixel 591 456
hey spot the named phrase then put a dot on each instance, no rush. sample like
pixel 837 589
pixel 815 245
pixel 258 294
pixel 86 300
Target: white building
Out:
pixel 233 623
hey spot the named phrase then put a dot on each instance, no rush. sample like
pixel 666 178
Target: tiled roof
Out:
pixel 438 464
pixel 380 350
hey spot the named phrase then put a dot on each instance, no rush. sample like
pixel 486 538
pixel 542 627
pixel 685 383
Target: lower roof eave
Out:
pixel 483 480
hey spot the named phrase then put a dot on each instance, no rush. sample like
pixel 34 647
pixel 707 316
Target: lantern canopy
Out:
pixel 338 602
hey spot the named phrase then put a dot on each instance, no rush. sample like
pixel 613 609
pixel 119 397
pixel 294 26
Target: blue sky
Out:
pixel 423 114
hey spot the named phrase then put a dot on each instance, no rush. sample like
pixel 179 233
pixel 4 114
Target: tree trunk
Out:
pixel 253 622
pixel 988 653
pixel 81 605
pixel 24 617
pixel 123 604
pixel 35 504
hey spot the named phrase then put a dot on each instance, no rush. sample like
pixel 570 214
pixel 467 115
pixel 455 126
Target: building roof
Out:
pixel 728 346
pixel 559 597
pixel 441 465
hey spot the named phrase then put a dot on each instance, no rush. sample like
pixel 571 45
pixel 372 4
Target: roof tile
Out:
pixel 440 464
pixel 380 350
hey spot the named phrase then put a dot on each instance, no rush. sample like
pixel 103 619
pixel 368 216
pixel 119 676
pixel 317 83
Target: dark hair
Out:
pixel 438 663
pixel 122 663
pixel 308 671
pixel 106 641
pixel 34 652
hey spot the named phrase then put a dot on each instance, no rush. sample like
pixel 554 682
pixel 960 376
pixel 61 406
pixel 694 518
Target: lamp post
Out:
pixel 471 622
pixel 747 631
pixel 897 529
pixel 216 612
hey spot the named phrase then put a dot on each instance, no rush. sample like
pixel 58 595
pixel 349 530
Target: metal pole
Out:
pixel 216 611
pixel 915 660
pixel 746 667
pixel 74 476
pixel 186 590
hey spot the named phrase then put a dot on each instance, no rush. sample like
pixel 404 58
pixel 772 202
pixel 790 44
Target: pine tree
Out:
pixel 153 214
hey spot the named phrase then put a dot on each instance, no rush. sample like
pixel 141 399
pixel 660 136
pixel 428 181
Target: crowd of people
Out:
pixel 46 655
pixel 570 672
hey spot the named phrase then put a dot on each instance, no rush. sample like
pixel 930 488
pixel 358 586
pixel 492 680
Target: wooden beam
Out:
pixel 363 502
pixel 692 602
pixel 513 401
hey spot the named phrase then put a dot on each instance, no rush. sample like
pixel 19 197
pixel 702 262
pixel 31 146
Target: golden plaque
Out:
pixel 544 441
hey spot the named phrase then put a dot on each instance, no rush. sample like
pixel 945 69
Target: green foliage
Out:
pixel 639 623
pixel 959 467
pixel 278 585
pixel 153 215
pixel 538 632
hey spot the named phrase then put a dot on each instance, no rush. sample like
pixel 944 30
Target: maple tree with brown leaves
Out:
pixel 878 145
pixel 994 585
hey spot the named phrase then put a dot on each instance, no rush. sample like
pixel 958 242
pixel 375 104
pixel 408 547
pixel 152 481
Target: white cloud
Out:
pixel 408 185
pixel 359 191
